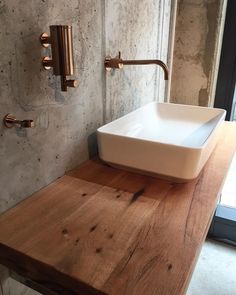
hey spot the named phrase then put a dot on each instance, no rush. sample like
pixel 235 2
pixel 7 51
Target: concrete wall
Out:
pixel 138 29
pixel 199 28
pixel 30 159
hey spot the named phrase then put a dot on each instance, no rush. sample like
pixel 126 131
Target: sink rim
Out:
pixel 222 114
pixel 133 149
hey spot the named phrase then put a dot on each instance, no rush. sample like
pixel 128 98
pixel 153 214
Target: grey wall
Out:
pixel 138 29
pixel 30 159
pixel 199 28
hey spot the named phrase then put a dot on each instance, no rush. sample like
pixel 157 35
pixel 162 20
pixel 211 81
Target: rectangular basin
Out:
pixel 166 140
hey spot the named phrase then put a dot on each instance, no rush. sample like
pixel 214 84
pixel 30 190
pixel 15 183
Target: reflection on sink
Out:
pixel 162 139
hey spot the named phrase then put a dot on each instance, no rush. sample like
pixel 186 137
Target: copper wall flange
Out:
pixel 9 120
pixel 107 60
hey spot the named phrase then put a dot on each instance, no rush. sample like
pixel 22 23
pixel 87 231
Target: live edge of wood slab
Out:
pixel 100 230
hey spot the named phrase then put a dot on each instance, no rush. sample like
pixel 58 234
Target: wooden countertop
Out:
pixel 100 230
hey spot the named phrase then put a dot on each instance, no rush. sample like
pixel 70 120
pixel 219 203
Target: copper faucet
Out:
pixel 10 121
pixel 118 63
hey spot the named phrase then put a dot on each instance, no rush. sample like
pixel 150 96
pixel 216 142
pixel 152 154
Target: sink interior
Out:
pixel 183 125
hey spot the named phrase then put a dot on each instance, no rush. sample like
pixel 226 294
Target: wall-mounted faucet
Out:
pixel 10 121
pixel 62 54
pixel 118 63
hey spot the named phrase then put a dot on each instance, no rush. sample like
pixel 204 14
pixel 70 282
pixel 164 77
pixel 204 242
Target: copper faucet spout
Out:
pixel 149 62
pixel 118 63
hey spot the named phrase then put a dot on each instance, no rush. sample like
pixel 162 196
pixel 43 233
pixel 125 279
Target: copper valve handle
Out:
pixel 62 62
pixel 67 83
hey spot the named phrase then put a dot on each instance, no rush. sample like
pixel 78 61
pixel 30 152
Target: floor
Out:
pixel 215 273
pixel 12 287
pixel 233 111
pixel 228 196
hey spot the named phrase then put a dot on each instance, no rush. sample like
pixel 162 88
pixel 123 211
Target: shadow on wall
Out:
pixel 92 145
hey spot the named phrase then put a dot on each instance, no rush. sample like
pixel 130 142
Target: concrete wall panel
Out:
pixel 199 27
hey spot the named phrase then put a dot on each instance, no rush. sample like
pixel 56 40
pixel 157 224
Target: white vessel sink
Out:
pixel 165 140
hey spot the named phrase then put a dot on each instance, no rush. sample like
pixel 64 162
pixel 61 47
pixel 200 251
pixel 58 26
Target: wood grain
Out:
pixel 100 230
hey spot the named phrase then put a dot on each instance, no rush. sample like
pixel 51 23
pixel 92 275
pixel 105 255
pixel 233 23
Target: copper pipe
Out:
pixel 62 50
pixel 149 62
pixel 61 62
pixel 118 63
